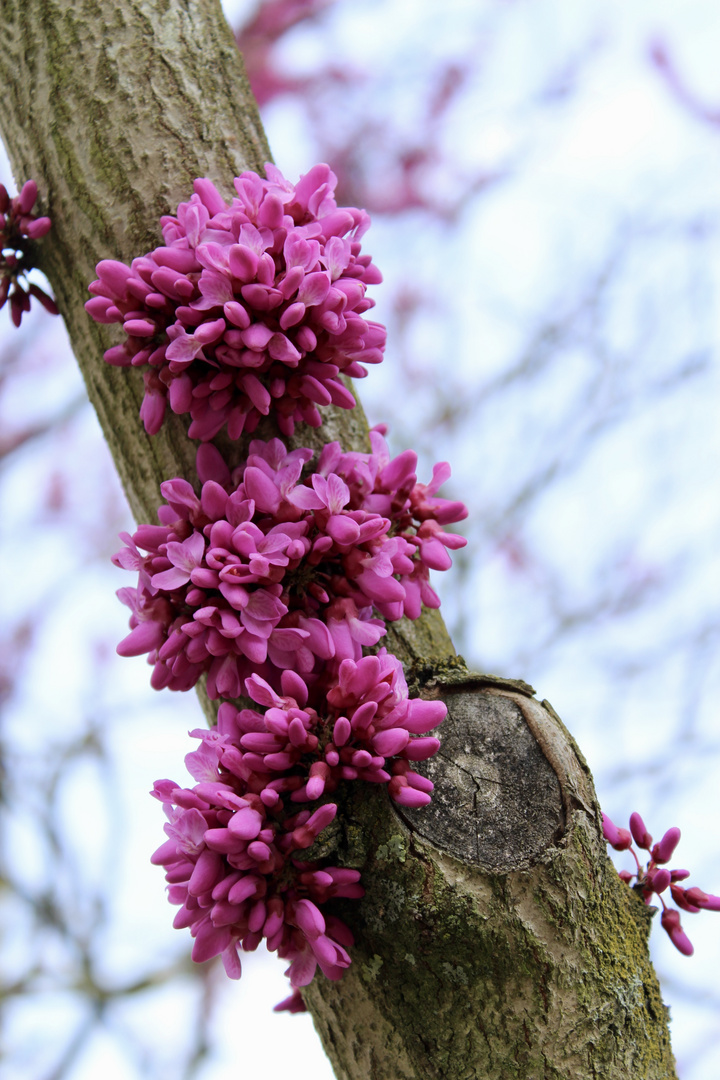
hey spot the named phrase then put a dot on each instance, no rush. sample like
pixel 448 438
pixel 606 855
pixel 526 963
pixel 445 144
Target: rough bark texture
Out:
pixel 495 939
pixel 507 948
pixel 114 108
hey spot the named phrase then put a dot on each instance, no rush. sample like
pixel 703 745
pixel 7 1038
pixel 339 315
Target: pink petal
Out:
pixel 210 941
pixel 230 958
pixel 390 742
pixel 245 823
pixel 421 749
pixel 302 970
pixel 314 289
pixel 423 715
pixel 261 489
pixel 342 529
pixel 211 465
pixel 144 638
pixel 305 498
pixel 407 796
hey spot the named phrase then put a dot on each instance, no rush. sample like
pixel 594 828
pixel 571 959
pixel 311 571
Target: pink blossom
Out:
pixel 266 571
pixel 389 487
pixel 19 229
pixel 231 868
pixel 670 921
pixel 367 718
pixel 654 879
pixel 231 857
pixel 292 1004
pixel 640 835
pixel 249 307
pixel 620 839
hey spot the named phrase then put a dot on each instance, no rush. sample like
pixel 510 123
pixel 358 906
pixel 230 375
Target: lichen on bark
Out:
pixel 539 969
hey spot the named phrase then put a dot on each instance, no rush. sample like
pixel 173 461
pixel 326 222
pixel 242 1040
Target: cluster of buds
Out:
pixel 233 855
pixel 654 879
pixel 249 307
pixel 345 730
pixel 273 578
pixel 19 228
pixel 265 571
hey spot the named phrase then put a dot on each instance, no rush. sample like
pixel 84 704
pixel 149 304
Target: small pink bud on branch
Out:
pixel 19 228
pixel 655 878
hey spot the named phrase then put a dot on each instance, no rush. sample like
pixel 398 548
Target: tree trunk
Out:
pixel 495 939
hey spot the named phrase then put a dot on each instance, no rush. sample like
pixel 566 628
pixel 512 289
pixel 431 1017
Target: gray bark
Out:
pixel 495 939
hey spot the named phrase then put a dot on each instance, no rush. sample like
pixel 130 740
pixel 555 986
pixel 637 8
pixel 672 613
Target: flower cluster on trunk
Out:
pixel 274 578
pixel 655 879
pixel 268 569
pixel 235 840
pixel 271 580
pixel 19 229
pixel 250 307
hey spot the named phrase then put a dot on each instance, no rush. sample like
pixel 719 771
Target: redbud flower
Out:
pixel 292 1004
pixel 670 921
pixel 654 879
pixel 231 857
pixel 663 850
pixel 345 727
pixel 231 867
pixel 641 836
pixel 620 839
pixel 702 899
pixel 249 307
pixel 265 572
pixel 19 227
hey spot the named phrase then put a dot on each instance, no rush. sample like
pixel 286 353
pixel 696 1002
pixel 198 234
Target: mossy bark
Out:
pixel 505 949
pixel 495 939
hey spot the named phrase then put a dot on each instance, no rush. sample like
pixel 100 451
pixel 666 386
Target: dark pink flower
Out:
pixel 654 879
pixel 702 899
pixel 249 307
pixel 292 1004
pixel 620 839
pixel 663 850
pixel 231 866
pixel 641 836
pixel 390 487
pixel 670 921
pixel 19 228
pixel 345 726
pixel 232 854
pixel 264 571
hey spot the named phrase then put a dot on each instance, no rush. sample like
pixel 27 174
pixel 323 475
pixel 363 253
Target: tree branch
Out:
pixel 495 939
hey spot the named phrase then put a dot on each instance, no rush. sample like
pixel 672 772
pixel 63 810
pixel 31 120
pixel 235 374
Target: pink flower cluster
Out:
pixel 265 571
pixel 273 578
pixel 367 717
pixel 234 839
pixel 19 227
pixel 655 879
pixel 248 307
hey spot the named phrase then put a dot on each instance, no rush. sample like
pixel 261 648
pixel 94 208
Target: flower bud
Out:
pixel 702 899
pixel 640 834
pixel 620 839
pixel 670 921
pixel 658 880
pixel 663 850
